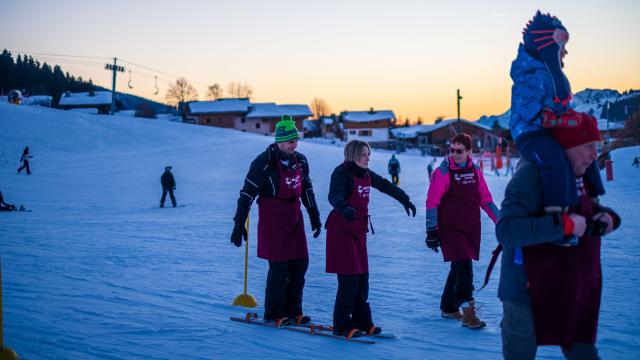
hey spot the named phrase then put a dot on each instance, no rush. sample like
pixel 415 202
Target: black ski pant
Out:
pixel 352 309
pixel 285 284
pixel 395 178
pixel 25 164
pixel 164 196
pixel 459 287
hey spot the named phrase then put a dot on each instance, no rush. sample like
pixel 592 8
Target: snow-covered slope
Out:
pixel 97 271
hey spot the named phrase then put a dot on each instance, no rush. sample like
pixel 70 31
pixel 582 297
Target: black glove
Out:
pixel 433 240
pixel 316 224
pixel 239 232
pixel 595 228
pixel 408 205
pixel 349 213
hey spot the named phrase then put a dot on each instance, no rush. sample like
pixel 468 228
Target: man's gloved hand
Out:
pixel 316 224
pixel 596 228
pixel 239 232
pixel 408 205
pixel 433 240
pixel 349 213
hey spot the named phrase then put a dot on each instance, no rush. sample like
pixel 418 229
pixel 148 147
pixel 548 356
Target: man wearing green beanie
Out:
pixel 279 178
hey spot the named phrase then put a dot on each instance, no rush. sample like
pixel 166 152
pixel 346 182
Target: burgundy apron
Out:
pixel 565 285
pixel 459 216
pixel 347 241
pixel 280 224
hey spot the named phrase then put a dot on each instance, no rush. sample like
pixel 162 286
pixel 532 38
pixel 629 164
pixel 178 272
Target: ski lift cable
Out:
pixel 159 71
pixel 58 55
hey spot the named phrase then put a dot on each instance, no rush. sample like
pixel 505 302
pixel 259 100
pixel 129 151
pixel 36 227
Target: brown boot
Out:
pixel 452 315
pixel 469 318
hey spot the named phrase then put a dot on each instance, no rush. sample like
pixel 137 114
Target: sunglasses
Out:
pixel 458 151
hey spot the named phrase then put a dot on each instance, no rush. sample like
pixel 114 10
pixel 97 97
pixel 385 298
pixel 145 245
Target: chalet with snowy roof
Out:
pixel 328 126
pixel 371 126
pixel 221 113
pixel 100 100
pixel 244 115
pixel 436 137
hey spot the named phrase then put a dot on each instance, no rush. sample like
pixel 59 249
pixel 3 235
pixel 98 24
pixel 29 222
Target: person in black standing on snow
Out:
pixel 168 185
pixel 394 170
pixel 25 160
pixel 279 178
pixel 347 228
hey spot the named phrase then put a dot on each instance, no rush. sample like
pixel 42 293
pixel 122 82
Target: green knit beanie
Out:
pixel 286 129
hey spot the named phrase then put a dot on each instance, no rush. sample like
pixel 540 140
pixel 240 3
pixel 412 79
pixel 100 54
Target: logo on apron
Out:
pixel 466 178
pixel 364 191
pixel 292 182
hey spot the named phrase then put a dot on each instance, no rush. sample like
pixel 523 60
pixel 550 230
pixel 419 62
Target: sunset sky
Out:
pixel 405 56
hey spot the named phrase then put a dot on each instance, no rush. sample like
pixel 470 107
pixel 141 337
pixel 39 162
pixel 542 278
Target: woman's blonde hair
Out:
pixel 353 149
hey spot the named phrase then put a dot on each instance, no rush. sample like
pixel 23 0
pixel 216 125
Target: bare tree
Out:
pixel 215 92
pixel 181 91
pixel 320 108
pixel 239 90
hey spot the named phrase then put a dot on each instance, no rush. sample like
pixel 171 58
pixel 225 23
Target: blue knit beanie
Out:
pixel 544 38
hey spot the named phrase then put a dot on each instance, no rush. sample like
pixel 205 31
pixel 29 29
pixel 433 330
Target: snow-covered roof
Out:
pixel 411 132
pixel 83 98
pixel 219 106
pixel 271 110
pixel 327 120
pixel 310 125
pixel 367 116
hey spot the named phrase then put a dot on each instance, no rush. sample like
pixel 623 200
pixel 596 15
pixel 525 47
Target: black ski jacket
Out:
pixel 167 180
pixel 342 184
pixel 263 180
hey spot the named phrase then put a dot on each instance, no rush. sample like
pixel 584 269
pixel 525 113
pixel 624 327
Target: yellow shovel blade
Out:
pixel 245 300
pixel 7 354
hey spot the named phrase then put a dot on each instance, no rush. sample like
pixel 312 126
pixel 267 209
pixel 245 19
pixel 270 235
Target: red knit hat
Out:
pixel 584 129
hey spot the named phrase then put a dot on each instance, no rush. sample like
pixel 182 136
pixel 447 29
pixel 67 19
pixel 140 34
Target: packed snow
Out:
pixel 98 271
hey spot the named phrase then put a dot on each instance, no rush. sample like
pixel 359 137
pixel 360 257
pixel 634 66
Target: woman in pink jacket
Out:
pixel 457 192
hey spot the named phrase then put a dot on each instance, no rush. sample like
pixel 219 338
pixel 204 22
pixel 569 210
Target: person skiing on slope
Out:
pixel 279 179
pixel 168 186
pixel 347 227
pixel 25 161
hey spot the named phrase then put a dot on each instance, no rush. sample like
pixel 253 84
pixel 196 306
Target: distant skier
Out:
pixel 279 178
pixel 4 206
pixel 25 161
pixel 394 170
pixel 636 162
pixel 540 102
pixel 456 194
pixel 168 186
pixel 347 227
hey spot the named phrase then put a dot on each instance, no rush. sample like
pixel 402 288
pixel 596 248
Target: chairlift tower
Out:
pixel 115 68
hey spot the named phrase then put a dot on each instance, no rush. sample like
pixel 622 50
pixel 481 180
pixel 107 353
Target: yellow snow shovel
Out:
pixel 5 352
pixel 245 299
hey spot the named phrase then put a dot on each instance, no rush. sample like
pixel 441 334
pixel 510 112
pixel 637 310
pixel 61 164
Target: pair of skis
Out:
pixel 310 329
